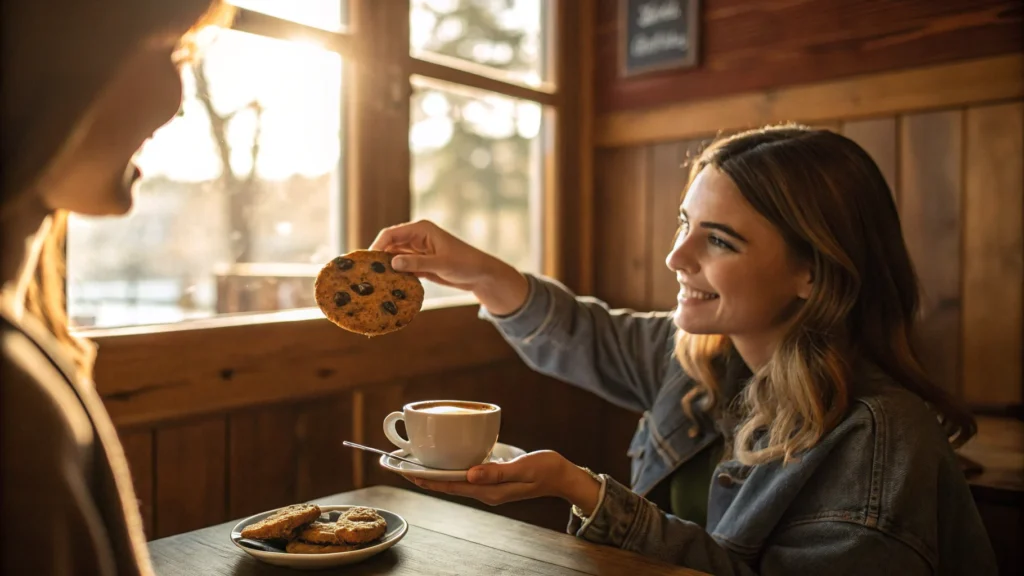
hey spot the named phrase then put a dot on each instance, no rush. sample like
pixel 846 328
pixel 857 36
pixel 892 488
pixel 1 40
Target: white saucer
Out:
pixel 500 453
pixel 397 527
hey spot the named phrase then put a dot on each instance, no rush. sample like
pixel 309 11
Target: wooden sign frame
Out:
pixel 692 11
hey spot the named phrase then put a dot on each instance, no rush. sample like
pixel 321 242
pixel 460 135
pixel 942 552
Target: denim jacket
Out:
pixel 882 493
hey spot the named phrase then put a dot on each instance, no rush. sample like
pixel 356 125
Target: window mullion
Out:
pixel 378 119
pixel 568 208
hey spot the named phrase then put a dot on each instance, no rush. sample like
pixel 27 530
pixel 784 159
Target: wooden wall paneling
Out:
pixel 930 204
pixel 585 143
pixel 832 125
pixel 262 457
pixel 749 46
pixel 138 450
pixel 191 488
pixel 378 402
pixel 961 83
pixel 547 414
pixel 993 246
pixel 668 182
pixel 324 465
pixel 877 136
pixel 617 428
pixel 622 208
pixel 669 174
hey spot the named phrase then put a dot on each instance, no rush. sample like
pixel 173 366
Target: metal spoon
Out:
pixel 390 455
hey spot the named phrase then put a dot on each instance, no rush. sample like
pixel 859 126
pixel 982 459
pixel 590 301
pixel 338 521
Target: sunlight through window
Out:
pixel 240 200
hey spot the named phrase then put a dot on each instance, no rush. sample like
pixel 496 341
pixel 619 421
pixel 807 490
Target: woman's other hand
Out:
pixel 533 475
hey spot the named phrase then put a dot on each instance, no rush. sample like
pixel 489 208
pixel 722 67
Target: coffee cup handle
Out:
pixel 391 431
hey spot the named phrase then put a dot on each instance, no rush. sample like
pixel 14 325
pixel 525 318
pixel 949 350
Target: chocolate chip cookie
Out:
pixel 319 533
pixel 360 525
pixel 298 547
pixel 362 293
pixel 283 523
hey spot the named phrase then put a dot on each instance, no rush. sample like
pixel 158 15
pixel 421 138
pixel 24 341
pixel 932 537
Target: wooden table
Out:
pixel 999 449
pixel 999 488
pixel 443 538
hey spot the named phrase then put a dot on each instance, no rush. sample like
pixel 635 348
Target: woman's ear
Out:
pixel 806 283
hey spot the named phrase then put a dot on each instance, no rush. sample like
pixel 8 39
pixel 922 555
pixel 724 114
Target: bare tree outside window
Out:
pixel 477 157
pixel 239 200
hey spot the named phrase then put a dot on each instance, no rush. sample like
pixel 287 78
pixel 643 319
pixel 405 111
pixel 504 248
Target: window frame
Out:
pixel 377 193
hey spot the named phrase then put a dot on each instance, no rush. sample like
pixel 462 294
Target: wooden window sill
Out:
pixel 153 375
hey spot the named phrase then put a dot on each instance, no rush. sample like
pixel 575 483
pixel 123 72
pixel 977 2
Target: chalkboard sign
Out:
pixel 658 35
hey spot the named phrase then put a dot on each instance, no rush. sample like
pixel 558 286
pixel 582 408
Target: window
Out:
pixel 478 155
pixel 505 39
pixel 285 151
pixel 477 170
pixel 240 201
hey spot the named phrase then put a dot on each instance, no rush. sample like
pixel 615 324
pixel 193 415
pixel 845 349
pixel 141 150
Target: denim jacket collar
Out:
pixel 665 438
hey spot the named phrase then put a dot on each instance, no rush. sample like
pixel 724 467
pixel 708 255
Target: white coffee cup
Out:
pixel 448 434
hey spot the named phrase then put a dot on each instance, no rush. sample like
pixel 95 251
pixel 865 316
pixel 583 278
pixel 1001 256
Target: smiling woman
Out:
pixel 788 355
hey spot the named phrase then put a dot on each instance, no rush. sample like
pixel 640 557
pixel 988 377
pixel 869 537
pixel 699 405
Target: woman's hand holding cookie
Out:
pixel 425 249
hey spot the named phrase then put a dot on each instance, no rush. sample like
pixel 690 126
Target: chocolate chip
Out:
pixel 344 263
pixel 389 307
pixel 378 267
pixel 398 294
pixel 398 324
pixel 342 298
pixel 363 288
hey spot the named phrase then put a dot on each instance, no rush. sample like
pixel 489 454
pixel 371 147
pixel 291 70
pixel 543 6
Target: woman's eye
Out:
pixel 716 241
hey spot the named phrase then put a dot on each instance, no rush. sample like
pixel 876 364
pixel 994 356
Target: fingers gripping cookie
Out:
pixel 360 525
pixel 362 293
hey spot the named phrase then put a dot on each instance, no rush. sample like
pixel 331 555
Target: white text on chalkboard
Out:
pixel 647 44
pixel 656 12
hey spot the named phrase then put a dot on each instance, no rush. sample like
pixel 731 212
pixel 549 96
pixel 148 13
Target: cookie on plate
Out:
pixel 362 293
pixel 283 523
pixel 360 525
pixel 298 547
pixel 319 533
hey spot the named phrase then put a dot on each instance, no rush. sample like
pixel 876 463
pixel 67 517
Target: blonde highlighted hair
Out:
pixel 830 202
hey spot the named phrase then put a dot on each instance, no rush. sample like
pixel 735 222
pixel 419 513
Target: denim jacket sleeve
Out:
pixel 620 355
pixel 626 520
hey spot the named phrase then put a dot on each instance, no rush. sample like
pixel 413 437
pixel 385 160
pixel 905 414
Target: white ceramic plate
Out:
pixel 397 527
pixel 500 453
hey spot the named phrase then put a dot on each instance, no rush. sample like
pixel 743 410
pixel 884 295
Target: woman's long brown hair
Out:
pixel 830 202
pixel 57 57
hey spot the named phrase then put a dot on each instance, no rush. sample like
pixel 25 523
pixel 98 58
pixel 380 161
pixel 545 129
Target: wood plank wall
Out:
pixel 756 46
pixel 202 471
pixel 956 175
